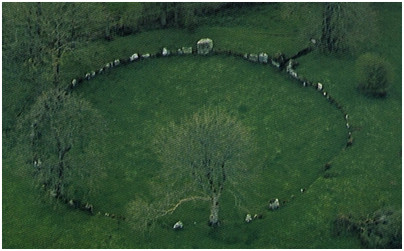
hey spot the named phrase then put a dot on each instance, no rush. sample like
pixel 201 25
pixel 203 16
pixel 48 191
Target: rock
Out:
pixel 263 58
pixel 165 52
pixel 93 74
pixel 87 76
pixel 204 46
pixel 253 57
pixel 74 82
pixel 274 204
pixel 319 86
pixel 187 50
pixel 248 218
pixel 180 52
pixel 116 62
pixel 178 225
pixel 147 55
pixel 276 64
pixel 134 57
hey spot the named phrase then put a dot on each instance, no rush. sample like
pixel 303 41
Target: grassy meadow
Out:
pixel 295 129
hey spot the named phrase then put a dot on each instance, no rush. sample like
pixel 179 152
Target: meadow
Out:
pixel 295 129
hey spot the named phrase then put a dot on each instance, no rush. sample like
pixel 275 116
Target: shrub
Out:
pixel 374 75
pixel 383 230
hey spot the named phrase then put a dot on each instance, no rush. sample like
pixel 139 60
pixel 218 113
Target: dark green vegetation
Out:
pixel 296 132
pixel 374 74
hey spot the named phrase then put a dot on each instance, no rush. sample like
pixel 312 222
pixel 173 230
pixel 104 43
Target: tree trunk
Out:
pixel 214 212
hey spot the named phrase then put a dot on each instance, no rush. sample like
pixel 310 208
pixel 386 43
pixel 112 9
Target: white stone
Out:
pixel 93 74
pixel 87 76
pixel 276 64
pixel 116 62
pixel 274 204
pixel 263 58
pixel 178 225
pixel 248 218
pixel 204 46
pixel 147 55
pixel 134 57
pixel 165 52
pixel 319 86
pixel 74 82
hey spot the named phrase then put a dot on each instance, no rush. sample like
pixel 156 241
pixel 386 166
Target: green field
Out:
pixel 295 129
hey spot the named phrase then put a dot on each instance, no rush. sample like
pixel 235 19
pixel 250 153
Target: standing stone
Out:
pixel 263 58
pixel 204 46
pixel 165 52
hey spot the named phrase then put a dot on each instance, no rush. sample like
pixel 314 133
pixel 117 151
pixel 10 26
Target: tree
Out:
pixel 41 33
pixel 59 133
pixel 205 154
pixel 374 74
pixel 346 26
pixel 338 28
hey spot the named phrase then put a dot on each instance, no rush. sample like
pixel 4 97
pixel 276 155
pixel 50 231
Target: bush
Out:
pixel 374 75
pixel 383 230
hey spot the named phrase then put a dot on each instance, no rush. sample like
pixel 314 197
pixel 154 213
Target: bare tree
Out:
pixel 202 156
pixel 60 129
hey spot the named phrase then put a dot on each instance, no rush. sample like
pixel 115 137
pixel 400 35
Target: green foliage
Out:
pixel 374 74
pixel 59 141
pixel 339 28
pixel 210 149
pixel 383 229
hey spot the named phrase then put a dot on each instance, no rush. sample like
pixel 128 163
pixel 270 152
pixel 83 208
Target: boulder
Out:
pixel 248 218
pixel 165 52
pixel 134 57
pixel 204 46
pixel 263 58
pixel 274 204
pixel 147 55
pixel 178 225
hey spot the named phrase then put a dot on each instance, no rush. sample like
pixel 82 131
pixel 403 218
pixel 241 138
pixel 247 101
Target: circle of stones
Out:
pixel 278 61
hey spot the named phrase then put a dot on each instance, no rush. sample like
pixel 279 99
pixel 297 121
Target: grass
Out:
pixel 296 132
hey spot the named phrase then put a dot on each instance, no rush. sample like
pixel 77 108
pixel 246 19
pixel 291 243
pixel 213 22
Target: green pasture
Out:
pixel 295 129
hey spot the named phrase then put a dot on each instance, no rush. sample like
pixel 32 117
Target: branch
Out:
pixel 171 210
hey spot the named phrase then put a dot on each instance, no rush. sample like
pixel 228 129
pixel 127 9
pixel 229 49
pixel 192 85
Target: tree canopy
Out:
pixel 65 161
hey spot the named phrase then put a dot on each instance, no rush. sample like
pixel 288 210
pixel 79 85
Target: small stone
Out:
pixel 263 58
pixel 274 204
pixel 319 86
pixel 178 225
pixel 147 55
pixel 134 57
pixel 187 50
pixel 253 57
pixel 165 52
pixel 248 218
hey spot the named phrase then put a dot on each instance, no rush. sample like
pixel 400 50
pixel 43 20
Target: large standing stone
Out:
pixel 204 46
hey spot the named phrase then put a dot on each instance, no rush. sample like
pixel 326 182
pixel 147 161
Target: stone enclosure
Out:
pixel 204 47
